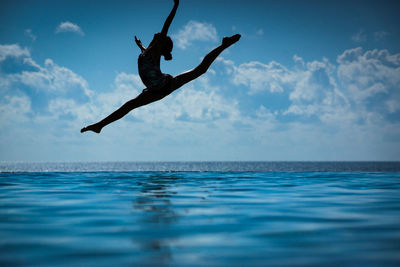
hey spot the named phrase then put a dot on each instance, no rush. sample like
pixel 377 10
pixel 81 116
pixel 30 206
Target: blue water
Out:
pixel 59 214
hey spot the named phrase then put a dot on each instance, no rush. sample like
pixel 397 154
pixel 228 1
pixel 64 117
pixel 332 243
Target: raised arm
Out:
pixel 171 16
pixel 139 43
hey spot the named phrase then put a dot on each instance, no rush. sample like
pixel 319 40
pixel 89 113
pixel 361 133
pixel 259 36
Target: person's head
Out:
pixel 167 48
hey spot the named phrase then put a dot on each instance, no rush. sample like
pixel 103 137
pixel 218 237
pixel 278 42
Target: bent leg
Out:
pixel 188 76
pixel 144 98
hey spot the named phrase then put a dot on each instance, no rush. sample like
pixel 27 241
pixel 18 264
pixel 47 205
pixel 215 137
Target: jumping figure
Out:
pixel 158 84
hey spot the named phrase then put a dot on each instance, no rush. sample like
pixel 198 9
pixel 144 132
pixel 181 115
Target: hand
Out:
pixel 137 40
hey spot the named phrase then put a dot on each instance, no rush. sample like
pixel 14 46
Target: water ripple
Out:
pixel 186 218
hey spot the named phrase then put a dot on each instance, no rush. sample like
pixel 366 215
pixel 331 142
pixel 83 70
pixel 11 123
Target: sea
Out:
pixel 200 214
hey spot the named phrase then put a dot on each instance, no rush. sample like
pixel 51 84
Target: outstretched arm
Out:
pixel 139 43
pixel 171 16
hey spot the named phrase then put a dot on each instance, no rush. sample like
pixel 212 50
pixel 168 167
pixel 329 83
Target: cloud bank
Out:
pixel 343 110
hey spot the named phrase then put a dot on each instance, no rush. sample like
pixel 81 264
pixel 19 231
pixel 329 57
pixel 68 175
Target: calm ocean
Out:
pixel 200 213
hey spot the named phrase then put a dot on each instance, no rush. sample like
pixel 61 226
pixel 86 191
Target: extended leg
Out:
pixel 141 100
pixel 188 76
pixel 147 97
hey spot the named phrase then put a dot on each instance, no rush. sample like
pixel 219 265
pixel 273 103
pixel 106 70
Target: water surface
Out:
pixel 199 218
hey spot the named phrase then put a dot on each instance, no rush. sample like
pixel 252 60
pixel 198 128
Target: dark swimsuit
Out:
pixel 151 75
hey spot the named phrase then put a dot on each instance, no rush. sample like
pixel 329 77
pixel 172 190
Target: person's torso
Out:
pixel 149 64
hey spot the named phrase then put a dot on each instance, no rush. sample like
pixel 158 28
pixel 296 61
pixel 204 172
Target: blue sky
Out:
pixel 309 80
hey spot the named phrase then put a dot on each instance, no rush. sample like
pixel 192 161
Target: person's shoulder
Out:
pixel 156 42
pixel 156 39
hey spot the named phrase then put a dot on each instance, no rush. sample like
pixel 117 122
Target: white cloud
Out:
pixel 41 85
pixel 365 75
pixel 14 109
pixel 361 87
pixel 311 81
pixel 195 31
pixel 298 60
pixel 204 105
pixel 371 80
pixel 13 50
pixel 260 32
pixel 315 92
pixel 126 86
pixel 260 77
pixel 28 32
pixel 54 79
pixel 69 27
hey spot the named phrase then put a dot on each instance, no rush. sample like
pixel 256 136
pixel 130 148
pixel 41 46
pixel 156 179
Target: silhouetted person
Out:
pixel 159 84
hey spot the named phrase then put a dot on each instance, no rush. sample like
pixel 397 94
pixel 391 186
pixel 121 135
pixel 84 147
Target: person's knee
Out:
pixel 131 102
pixel 200 70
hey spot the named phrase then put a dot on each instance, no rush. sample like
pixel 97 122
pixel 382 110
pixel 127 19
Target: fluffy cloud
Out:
pixel 15 107
pixel 33 89
pixel 362 87
pixel 13 50
pixel 315 92
pixel 54 79
pixel 195 31
pixel 190 105
pixel 125 87
pixel 311 87
pixel 69 27
pixel 260 77
pixel 371 80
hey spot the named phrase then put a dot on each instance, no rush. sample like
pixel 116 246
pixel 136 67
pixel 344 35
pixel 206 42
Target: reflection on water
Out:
pixel 158 214
pixel 204 218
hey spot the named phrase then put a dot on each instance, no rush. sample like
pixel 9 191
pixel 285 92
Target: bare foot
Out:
pixel 94 128
pixel 228 41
